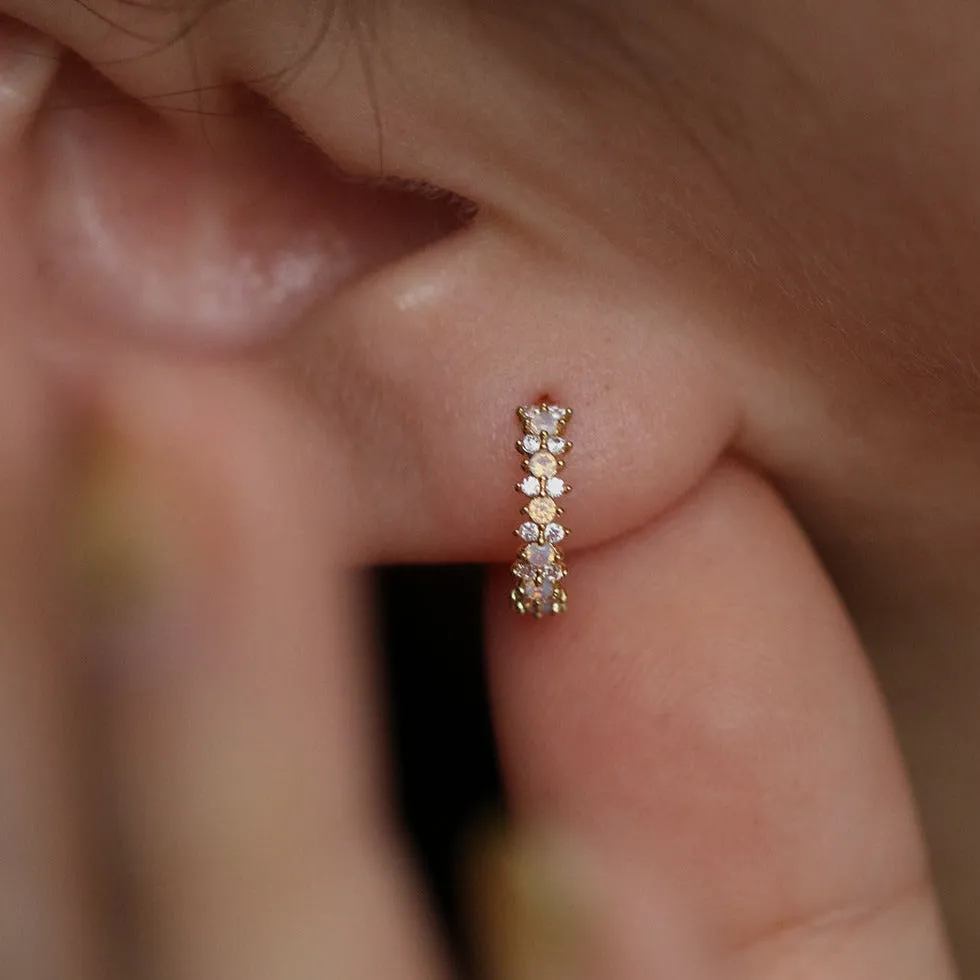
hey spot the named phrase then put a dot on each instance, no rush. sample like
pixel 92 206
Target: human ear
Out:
pixel 412 328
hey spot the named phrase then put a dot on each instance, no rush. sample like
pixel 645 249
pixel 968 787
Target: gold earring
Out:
pixel 540 566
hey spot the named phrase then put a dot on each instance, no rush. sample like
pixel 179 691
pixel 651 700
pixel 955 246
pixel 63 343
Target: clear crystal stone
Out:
pixel 529 531
pixel 552 572
pixel 531 443
pixel 535 591
pixel 531 485
pixel 554 533
pixel 557 445
pixel 555 486
pixel 539 555
pixel 522 570
pixel 543 418
pixel 542 509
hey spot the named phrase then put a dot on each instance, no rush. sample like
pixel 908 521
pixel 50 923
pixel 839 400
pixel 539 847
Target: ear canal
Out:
pixel 224 240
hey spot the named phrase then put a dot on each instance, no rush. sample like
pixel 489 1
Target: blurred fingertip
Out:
pixel 530 904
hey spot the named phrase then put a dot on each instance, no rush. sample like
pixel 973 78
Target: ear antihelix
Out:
pixel 145 232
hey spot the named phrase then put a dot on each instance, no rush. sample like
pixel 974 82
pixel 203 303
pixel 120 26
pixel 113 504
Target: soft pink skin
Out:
pixel 236 251
pixel 221 244
pixel 772 261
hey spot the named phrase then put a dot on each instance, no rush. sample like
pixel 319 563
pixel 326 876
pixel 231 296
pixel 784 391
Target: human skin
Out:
pixel 740 245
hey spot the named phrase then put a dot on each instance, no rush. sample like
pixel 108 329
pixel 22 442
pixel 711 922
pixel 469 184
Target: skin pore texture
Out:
pixel 745 254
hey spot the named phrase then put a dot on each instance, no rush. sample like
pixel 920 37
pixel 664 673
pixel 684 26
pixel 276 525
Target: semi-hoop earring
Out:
pixel 540 567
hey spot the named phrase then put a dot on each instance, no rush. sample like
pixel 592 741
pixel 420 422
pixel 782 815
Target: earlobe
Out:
pixel 421 368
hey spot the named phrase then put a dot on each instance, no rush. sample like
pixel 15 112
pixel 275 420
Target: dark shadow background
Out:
pixel 447 778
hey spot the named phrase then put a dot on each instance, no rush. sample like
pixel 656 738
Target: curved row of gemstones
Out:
pixel 540 566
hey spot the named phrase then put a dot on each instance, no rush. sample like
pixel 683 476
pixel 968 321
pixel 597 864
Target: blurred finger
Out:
pixel 245 737
pixel 545 907
pixel 48 917
pixel 704 708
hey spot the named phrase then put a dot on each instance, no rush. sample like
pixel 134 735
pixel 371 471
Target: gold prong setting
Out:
pixel 540 565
